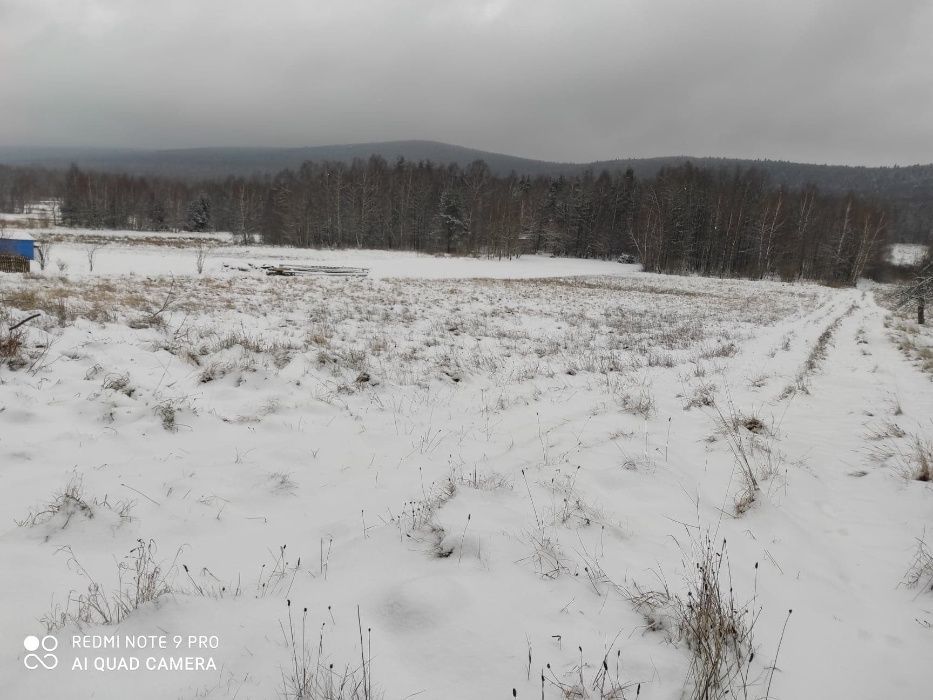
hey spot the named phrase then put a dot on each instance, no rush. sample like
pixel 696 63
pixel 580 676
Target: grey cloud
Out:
pixel 813 80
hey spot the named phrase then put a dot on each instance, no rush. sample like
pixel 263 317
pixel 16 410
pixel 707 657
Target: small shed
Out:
pixel 17 243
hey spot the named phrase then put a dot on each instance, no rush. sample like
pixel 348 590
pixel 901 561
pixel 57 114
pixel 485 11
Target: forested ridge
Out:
pixel 726 221
pixel 906 189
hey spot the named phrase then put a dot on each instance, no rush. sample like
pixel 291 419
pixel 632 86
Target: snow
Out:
pixel 906 254
pixel 163 253
pixel 425 439
pixel 16 235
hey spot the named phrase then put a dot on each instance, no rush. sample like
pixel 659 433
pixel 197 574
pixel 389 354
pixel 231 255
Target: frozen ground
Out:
pixel 503 478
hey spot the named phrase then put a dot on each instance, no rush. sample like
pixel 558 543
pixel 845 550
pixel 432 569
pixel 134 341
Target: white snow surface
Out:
pixel 483 467
pixel 380 263
pixel 175 253
pixel 16 235
pixel 906 254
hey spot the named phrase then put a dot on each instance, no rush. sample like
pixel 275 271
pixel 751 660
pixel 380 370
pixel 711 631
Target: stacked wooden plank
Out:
pixel 289 270
pixel 285 270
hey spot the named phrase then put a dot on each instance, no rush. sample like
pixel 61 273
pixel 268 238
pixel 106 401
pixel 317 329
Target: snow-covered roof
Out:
pixel 16 236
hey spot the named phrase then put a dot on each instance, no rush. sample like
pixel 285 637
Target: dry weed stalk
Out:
pixel 310 676
pixel 709 620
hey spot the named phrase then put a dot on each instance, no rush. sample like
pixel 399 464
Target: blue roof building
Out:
pixel 18 244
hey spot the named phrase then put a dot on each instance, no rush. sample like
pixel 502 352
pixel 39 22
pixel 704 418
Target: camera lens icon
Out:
pixel 47 659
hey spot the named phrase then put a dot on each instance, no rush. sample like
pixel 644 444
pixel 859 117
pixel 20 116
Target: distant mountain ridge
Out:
pixel 910 188
pixel 223 161
pixel 245 161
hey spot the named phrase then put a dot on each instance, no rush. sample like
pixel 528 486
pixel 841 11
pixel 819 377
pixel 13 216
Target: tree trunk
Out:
pixel 920 316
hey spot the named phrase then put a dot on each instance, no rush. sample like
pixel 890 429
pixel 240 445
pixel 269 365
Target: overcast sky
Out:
pixel 842 81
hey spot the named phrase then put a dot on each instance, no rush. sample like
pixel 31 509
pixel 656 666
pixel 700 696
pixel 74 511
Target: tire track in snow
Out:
pixel 845 542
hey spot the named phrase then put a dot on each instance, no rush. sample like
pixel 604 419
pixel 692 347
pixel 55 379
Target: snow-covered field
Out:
pixel 161 253
pixel 562 477
pixel 906 254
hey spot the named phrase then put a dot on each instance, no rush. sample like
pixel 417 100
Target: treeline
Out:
pixel 20 186
pixel 725 222
pixel 906 190
pixel 735 224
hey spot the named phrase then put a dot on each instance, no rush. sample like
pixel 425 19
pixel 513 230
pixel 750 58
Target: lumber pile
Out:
pixel 289 270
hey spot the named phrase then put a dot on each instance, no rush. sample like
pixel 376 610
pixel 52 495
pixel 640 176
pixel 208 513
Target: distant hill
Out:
pixel 909 188
pixel 210 162
pixel 213 162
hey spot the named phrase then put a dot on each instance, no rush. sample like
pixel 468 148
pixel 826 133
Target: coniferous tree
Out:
pixel 198 218
pixel 450 217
